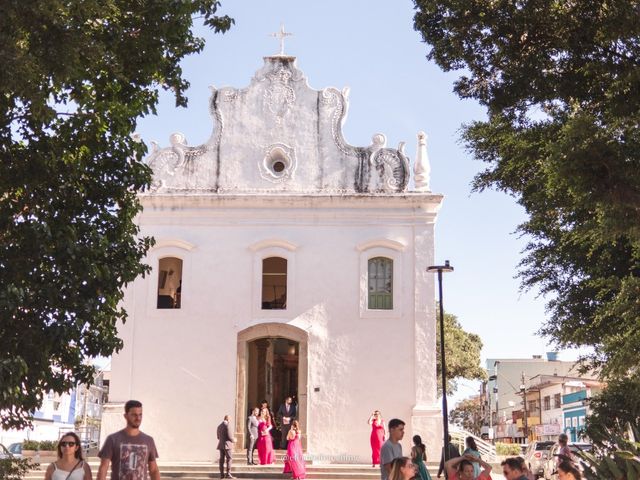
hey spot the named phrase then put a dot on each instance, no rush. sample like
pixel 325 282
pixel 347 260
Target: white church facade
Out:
pixel 287 262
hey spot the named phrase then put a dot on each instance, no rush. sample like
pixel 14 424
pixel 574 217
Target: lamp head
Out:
pixel 440 268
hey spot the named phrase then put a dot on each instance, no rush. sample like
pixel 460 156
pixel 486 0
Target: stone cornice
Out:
pixel 398 209
pixel 425 201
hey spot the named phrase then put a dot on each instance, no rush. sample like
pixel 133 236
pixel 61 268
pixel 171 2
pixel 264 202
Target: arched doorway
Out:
pixel 271 364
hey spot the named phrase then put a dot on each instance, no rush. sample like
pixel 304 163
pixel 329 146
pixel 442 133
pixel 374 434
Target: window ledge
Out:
pixel 367 313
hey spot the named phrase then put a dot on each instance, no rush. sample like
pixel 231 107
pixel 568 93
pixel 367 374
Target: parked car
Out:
pixel 536 455
pixel 4 452
pixel 550 470
pixel 16 449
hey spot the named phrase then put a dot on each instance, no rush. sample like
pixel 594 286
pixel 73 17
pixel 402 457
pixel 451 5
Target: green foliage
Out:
pixel 15 468
pixel 468 415
pixel 561 84
pixel 619 459
pixel 508 449
pixel 40 445
pixel 462 354
pixel 76 77
pixel 614 410
pixel 48 445
pixel 30 445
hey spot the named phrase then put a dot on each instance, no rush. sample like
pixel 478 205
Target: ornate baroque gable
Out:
pixel 278 135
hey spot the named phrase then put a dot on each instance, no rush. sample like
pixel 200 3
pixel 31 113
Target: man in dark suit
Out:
pixel 252 427
pixel 286 415
pixel 225 444
pixel 452 452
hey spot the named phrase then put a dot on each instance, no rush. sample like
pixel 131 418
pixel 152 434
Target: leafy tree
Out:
pixel 468 414
pixel 462 354
pixel 15 468
pixel 76 76
pixel 617 458
pixel 614 410
pixel 561 84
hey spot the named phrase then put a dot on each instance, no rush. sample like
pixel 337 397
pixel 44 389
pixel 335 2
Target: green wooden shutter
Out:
pixel 380 283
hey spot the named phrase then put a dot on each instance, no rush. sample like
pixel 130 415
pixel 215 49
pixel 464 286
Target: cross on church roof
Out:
pixel 281 34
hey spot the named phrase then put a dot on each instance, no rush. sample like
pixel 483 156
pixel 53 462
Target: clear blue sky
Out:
pixel 371 47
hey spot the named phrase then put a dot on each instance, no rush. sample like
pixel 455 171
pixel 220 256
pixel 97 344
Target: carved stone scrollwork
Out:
pixel 378 141
pixel 227 95
pixel 279 96
pixel 178 166
pixel 392 168
pixel 277 105
pixel 279 163
pixel 162 162
pixel 185 152
pixel 331 97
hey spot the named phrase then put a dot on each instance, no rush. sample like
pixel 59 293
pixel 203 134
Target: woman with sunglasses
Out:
pixel 70 464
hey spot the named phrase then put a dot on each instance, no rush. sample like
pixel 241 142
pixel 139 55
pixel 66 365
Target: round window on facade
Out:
pixel 278 162
pixel 278 166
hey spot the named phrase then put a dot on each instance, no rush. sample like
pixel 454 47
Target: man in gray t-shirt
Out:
pixel 131 453
pixel 391 449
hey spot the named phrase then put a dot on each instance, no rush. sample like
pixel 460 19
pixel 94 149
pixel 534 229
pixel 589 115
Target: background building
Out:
pixel 564 405
pixel 508 378
pixel 79 410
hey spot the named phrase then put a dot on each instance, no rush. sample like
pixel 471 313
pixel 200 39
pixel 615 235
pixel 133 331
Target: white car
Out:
pixel 15 449
pixel 550 470
pixel 536 456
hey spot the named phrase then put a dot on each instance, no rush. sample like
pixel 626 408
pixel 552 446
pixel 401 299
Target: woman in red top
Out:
pixel 377 436
pixel 294 460
pixel 265 444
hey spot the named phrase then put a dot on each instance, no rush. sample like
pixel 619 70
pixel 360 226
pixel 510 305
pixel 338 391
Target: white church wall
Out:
pixel 221 208
pixel 359 361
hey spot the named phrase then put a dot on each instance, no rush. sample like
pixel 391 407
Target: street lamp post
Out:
pixel 523 389
pixel 443 367
pixel 495 390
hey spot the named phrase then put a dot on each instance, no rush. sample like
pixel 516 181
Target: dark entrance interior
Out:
pixel 272 374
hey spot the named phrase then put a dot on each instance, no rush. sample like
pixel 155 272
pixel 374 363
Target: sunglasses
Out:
pixel 68 444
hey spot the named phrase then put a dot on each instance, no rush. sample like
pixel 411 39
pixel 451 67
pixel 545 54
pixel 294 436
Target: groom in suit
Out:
pixel 286 415
pixel 252 426
pixel 225 444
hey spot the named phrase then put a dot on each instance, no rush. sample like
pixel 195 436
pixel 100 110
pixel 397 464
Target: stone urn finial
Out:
pixel 422 168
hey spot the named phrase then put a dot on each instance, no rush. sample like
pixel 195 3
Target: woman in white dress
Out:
pixel 70 464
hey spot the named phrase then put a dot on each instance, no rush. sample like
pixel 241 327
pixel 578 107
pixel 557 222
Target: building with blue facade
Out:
pixel 557 404
pixel 575 409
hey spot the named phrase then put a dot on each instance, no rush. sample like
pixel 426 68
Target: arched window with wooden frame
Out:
pixel 380 283
pixel 274 283
pixel 169 283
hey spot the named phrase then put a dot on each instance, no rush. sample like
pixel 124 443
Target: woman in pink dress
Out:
pixel 294 460
pixel 265 444
pixel 377 436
